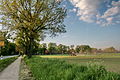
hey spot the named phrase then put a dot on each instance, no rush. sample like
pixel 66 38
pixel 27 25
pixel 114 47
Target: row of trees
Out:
pixel 53 48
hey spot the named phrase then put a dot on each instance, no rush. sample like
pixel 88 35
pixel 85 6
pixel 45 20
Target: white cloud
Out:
pixel 73 10
pixel 112 12
pixel 57 0
pixel 112 15
pixel 89 11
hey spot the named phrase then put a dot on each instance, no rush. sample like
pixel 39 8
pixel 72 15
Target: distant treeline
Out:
pixel 53 48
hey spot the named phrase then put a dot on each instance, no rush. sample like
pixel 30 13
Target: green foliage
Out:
pixel 62 48
pixel 110 50
pixel 41 51
pixel 8 49
pixel 52 48
pixel 5 62
pixel 31 20
pixel 83 49
pixel 55 69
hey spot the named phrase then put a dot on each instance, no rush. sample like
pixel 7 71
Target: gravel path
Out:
pixel 12 71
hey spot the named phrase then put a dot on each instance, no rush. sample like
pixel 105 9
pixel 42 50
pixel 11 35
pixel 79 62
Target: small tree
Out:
pixel 110 50
pixel 62 49
pixel 52 48
pixel 83 49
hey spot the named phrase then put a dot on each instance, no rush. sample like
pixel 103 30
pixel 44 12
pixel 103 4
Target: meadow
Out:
pixel 85 67
pixel 111 61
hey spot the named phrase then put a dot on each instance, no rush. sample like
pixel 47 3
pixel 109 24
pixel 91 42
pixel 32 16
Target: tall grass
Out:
pixel 5 62
pixel 55 69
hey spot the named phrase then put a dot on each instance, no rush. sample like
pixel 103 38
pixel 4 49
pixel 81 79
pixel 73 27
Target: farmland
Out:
pixel 82 67
pixel 110 61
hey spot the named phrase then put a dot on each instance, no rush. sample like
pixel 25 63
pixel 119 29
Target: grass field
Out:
pixel 111 61
pixel 57 69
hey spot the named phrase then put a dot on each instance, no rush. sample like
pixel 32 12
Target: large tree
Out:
pixel 31 18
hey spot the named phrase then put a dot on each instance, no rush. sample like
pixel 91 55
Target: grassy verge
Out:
pixel 24 73
pixel 55 69
pixel 5 62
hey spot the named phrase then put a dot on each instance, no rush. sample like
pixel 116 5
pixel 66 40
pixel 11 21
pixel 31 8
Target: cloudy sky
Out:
pixel 92 22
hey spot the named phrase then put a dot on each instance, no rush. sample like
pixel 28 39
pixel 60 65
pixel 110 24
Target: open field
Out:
pixel 65 67
pixel 110 61
pixel 58 69
pixel 111 64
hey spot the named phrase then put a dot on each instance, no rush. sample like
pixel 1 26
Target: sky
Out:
pixel 90 22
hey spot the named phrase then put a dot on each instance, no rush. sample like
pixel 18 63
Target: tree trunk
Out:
pixel 30 49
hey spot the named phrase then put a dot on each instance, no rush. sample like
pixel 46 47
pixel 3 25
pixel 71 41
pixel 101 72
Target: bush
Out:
pixel 5 62
pixel 55 69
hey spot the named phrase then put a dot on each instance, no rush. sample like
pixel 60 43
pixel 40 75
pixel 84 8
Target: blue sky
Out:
pixel 95 24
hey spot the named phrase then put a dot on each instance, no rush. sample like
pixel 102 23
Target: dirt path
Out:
pixel 12 71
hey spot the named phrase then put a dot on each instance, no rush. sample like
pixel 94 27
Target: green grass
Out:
pixel 57 55
pixel 5 62
pixel 111 61
pixel 56 69
pixel 111 64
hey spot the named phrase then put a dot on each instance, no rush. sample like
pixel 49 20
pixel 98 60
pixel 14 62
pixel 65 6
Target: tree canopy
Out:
pixel 31 20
